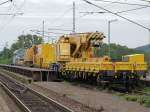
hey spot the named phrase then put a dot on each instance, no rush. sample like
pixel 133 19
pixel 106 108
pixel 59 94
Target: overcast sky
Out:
pixel 58 14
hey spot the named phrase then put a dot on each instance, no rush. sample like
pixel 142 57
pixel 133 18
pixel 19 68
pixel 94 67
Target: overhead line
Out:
pixel 44 35
pixel 5 2
pixel 118 11
pixel 58 29
pixel 52 37
pixel 45 31
pixel 11 14
pixel 121 3
pixel 132 9
pixel 131 21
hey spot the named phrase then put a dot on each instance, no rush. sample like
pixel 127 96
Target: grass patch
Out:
pixel 147 103
pixel 143 100
pixel 146 89
pixel 119 94
pixel 5 60
pixel 131 98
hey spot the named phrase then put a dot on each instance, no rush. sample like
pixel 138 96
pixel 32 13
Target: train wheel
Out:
pixel 101 82
pixel 98 80
pixel 71 78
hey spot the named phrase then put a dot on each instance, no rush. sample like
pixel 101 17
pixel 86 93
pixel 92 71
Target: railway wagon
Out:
pixel 73 56
pixel 18 57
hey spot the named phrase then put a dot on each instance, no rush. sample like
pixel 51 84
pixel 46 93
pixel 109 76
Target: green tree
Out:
pixel 5 56
pixel 116 51
pixel 24 41
pixel 6 53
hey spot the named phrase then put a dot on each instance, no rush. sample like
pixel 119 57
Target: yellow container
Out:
pixel 133 58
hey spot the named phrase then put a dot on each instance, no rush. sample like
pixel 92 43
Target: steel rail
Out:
pixel 28 99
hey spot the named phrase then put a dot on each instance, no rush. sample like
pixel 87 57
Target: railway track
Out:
pixel 29 100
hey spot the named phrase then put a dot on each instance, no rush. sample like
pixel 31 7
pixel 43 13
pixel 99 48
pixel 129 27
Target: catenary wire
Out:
pixel 131 21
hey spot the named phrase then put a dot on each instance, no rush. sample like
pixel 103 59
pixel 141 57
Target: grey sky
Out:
pixel 58 14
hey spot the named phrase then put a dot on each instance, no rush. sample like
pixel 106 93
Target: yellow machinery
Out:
pixel 81 45
pixel 85 65
pixel 83 58
pixel 69 47
pixel 62 51
pixel 44 54
pixel 28 57
pixel 73 55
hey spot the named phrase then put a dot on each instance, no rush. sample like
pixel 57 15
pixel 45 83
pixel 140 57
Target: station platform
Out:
pixel 37 74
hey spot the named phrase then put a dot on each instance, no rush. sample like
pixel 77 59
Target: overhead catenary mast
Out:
pixel 43 29
pixel 149 37
pixel 74 18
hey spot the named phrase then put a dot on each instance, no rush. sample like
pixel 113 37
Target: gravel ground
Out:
pixel 6 104
pixel 93 98
pixel 62 99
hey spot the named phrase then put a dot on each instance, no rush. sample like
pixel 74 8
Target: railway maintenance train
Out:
pixel 73 56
